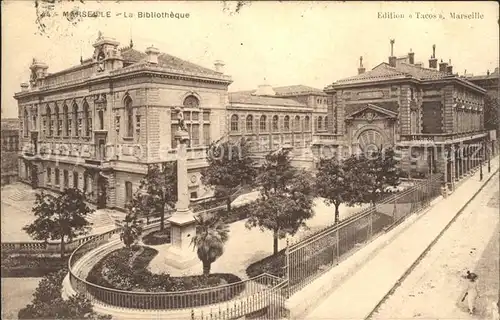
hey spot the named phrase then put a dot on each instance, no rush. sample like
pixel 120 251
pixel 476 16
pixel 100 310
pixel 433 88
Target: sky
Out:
pixel 280 43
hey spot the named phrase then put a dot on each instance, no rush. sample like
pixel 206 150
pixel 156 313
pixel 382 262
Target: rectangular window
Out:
pixel 195 135
pixel 206 116
pixel 49 175
pixel 194 195
pixel 194 116
pixel 206 134
pixel 56 177
pixel 85 183
pixel 128 192
pixel 75 180
pixel 66 178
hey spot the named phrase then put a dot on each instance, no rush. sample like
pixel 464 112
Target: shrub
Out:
pixel 31 266
pixel 158 237
pixel 115 271
pixel 48 303
pixel 273 264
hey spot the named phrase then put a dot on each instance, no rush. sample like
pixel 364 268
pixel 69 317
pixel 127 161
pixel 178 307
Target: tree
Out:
pixel 211 235
pixel 286 198
pixel 61 217
pixel 491 107
pixel 381 168
pixel 48 303
pixel 157 191
pixel 229 168
pixel 341 182
pixel 131 229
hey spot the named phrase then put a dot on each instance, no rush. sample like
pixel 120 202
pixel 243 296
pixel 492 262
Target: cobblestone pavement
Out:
pixel 434 289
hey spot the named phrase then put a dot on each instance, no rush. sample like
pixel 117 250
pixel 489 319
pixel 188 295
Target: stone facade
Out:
pixel 10 148
pixel 279 117
pixel 99 124
pixel 404 105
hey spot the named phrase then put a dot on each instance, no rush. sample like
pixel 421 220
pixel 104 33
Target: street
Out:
pixel 434 289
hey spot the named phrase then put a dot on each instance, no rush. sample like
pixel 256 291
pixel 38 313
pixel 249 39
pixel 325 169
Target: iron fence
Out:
pixel 315 254
pixel 268 304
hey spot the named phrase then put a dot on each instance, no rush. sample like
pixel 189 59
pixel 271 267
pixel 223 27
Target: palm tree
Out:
pixel 131 229
pixel 211 235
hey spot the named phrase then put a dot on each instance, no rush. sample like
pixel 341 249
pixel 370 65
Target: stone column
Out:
pixel 181 254
pixel 452 168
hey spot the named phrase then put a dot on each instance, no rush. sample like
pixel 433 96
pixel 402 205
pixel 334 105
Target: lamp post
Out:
pixel 489 158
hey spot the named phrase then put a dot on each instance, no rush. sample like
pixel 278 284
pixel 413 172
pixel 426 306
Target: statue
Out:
pixel 180 117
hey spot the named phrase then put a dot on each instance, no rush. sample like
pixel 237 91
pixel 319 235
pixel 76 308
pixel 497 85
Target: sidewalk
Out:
pixel 360 294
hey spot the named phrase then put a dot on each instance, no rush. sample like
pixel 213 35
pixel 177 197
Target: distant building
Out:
pixel 98 125
pixel 10 149
pixel 422 111
pixel 489 81
pixel 276 117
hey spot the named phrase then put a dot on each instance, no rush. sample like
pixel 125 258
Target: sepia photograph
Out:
pixel 223 160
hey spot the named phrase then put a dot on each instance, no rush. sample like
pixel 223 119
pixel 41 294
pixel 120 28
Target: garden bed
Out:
pixel 126 269
pixel 156 238
pixel 31 266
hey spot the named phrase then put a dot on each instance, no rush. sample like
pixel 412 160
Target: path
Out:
pixel 247 246
pixel 434 288
pixel 358 295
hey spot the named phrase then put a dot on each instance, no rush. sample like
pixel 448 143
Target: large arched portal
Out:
pixel 371 140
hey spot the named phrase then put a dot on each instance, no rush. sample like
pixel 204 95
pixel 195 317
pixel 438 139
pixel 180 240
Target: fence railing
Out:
pixel 268 304
pixel 241 297
pixel 315 254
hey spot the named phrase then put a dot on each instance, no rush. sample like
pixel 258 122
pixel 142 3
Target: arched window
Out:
pixel 286 123
pixel 320 123
pixel 263 123
pixel 47 123
pixel 234 123
pixel 26 122
pixel 66 121
pixel 296 123
pixel 129 117
pixel 326 123
pixel 58 122
pixel 87 119
pixel 307 124
pixel 249 123
pixel 275 123
pixel 191 102
pixel 75 120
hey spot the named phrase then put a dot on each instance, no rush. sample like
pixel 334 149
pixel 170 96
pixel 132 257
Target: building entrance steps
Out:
pixel 361 292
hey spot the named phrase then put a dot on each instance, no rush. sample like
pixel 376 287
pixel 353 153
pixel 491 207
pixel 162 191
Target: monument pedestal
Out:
pixel 181 254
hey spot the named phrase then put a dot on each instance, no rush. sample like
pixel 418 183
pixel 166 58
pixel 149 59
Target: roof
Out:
pixel 10 124
pixel 402 70
pixel 494 75
pixel 296 90
pixel 391 106
pixel 131 55
pixel 246 97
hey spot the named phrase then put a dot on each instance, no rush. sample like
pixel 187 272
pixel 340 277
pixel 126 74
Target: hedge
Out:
pixel 31 266
pixel 118 271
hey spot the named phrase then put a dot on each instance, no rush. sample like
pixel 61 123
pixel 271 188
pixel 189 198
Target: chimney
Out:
pixel 153 54
pixel 219 66
pixel 392 58
pixel 442 66
pixel 449 68
pixel 411 57
pixel 488 72
pixel 361 69
pixel 433 60
pixel 24 87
